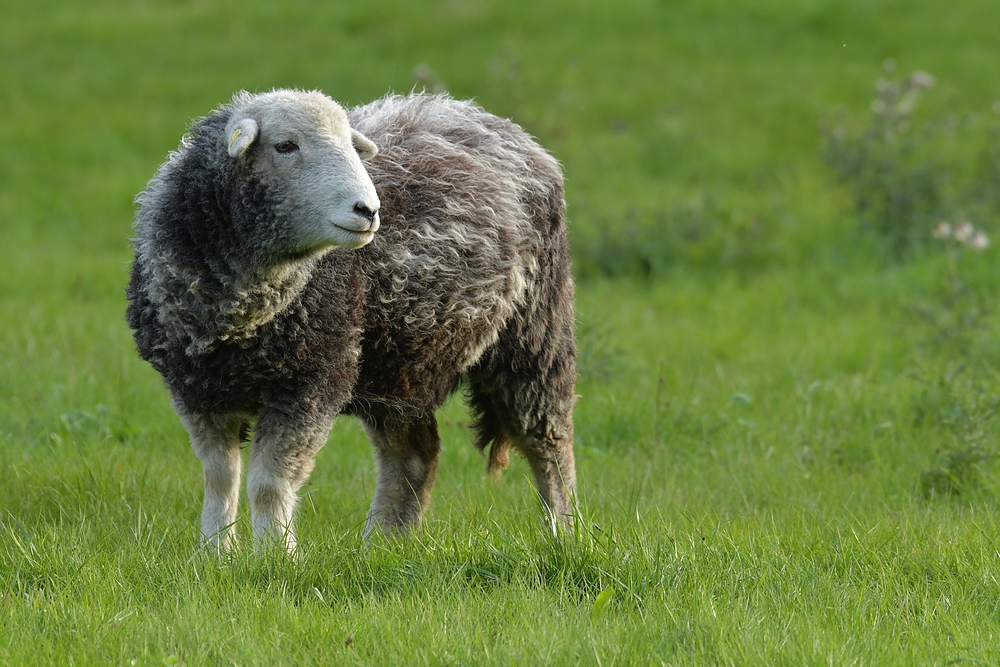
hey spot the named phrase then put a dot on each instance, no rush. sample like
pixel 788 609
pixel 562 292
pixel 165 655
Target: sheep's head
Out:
pixel 301 147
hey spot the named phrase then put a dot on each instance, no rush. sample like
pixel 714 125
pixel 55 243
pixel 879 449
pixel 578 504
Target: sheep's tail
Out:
pixel 499 457
pixel 489 433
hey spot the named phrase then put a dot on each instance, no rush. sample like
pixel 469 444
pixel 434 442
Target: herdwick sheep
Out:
pixel 278 282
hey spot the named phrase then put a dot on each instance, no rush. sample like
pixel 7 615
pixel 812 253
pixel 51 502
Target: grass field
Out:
pixel 787 431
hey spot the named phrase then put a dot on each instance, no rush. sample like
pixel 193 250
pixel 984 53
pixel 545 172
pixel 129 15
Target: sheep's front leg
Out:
pixel 216 441
pixel 281 457
pixel 406 458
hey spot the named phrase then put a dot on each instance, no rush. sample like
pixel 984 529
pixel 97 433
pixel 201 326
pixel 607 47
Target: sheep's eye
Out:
pixel 286 147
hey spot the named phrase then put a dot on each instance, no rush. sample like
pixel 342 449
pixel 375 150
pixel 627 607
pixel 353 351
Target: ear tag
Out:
pixel 241 136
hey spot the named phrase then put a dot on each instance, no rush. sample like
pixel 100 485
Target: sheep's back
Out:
pixel 467 203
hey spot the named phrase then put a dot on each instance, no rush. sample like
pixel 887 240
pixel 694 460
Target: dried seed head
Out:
pixel 964 231
pixel 979 240
pixel 942 230
pixel 921 79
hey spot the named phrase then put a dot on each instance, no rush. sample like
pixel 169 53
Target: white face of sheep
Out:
pixel 301 146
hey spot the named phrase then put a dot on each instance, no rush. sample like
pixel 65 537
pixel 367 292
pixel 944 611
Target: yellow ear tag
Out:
pixel 236 133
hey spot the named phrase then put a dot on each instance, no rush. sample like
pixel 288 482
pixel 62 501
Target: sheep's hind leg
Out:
pixel 554 470
pixel 547 444
pixel 406 458
pixel 534 414
pixel 216 441
pixel 282 455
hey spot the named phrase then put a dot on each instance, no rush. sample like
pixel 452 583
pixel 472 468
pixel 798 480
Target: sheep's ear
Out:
pixel 363 145
pixel 241 135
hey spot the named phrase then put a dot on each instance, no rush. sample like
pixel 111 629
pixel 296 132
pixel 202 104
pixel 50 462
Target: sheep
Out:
pixel 279 282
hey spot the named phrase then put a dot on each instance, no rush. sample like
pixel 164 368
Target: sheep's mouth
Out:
pixel 354 230
pixel 353 238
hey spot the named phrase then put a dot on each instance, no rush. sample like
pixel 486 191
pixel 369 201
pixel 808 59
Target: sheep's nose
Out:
pixel 365 212
pixel 368 214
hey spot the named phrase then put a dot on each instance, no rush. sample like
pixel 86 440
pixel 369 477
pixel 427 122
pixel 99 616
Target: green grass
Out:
pixel 786 439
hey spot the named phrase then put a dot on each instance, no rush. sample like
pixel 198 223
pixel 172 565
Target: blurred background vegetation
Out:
pixel 692 131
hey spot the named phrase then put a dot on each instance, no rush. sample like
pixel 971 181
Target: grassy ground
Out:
pixel 786 436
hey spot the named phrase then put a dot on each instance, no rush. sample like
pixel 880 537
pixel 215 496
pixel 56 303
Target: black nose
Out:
pixel 365 212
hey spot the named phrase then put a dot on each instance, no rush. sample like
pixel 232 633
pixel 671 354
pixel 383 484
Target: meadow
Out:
pixel 786 436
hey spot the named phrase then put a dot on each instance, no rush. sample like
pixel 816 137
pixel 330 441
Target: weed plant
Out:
pixel 905 173
pixel 962 395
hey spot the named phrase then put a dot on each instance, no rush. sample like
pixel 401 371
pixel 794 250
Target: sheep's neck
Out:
pixel 256 298
pixel 226 301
